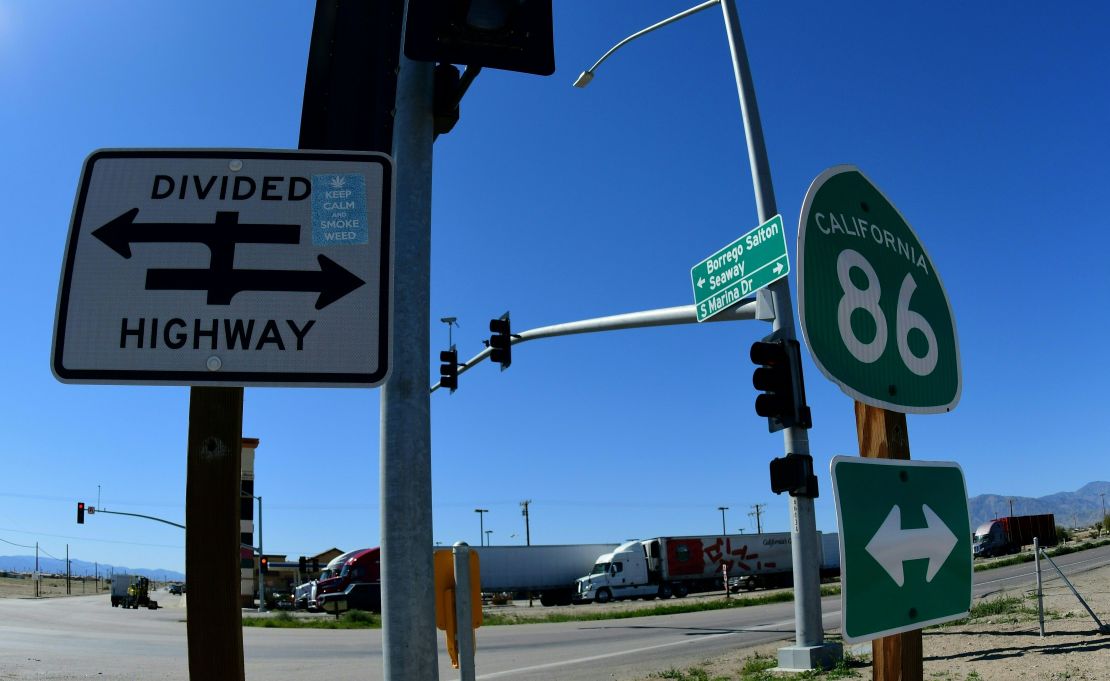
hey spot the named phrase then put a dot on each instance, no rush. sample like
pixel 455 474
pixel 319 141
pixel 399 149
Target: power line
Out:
pixel 25 546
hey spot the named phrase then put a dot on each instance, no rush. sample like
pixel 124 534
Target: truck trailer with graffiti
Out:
pixel 675 566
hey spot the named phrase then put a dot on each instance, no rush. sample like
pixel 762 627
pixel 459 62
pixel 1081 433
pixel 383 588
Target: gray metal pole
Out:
pixel 809 650
pixel 1040 593
pixel 261 577
pixel 464 631
pixel 408 600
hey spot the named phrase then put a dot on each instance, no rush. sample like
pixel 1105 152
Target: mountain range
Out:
pixel 79 568
pixel 1081 508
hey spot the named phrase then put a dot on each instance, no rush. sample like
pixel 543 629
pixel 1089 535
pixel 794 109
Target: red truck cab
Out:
pixel 354 576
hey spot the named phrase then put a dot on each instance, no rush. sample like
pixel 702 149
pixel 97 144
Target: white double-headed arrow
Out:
pixel 892 545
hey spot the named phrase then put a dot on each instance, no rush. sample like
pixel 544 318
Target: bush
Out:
pixel 1063 533
pixel 358 617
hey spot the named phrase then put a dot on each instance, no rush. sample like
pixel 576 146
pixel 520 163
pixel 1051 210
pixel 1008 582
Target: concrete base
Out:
pixel 805 658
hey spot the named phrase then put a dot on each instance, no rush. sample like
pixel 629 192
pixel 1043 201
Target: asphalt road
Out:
pixel 83 637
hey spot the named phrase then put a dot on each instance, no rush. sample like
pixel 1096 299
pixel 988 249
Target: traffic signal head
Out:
pixel 315 565
pixel 302 565
pixel 264 562
pixel 501 342
pixel 793 474
pixel 449 369
pixel 515 35
pixel 779 377
pixel 80 513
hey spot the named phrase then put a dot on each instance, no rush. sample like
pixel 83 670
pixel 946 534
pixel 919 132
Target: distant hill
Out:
pixel 1082 507
pixel 80 568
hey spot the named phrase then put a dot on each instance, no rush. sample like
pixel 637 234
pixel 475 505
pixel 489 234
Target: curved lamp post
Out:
pixel 809 650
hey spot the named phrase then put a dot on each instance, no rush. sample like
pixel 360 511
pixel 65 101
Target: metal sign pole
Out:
pixel 408 605
pixel 809 649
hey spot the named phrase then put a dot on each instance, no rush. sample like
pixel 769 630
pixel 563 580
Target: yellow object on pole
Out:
pixel 446 609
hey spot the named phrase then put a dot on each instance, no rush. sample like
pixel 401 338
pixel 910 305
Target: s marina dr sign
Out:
pixel 228 267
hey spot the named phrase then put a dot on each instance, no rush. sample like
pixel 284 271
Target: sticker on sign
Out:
pixel 228 267
pixel 752 262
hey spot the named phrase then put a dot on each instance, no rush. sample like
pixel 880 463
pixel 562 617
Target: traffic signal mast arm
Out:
pixel 668 316
pixel 140 515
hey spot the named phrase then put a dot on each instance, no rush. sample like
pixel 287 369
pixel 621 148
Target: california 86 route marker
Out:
pixel 905 544
pixel 755 260
pixel 875 314
pixel 228 267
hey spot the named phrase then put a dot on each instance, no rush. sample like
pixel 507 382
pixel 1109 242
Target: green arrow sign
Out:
pixel 905 544
pixel 874 311
pixel 738 270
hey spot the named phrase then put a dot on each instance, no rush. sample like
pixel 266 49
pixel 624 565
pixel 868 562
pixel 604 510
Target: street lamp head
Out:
pixel 584 79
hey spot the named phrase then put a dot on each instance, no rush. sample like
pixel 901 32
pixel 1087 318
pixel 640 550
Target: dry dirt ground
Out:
pixel 1001 647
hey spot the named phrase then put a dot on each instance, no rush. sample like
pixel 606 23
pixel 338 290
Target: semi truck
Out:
pixel 1007 535
pixel 132 591
pixel 675 566
pixel 354 578
pixel 546 571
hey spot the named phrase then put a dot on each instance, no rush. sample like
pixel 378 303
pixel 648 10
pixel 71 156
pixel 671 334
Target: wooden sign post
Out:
pixel 214 622
pixel 883 435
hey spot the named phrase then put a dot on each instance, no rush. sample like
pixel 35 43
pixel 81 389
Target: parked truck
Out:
pixel 546 571
pixel 132 591
pixel 354 579
pixel 675 566
pixel 1007 535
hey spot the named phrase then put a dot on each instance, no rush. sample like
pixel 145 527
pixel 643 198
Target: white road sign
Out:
pixel 228 267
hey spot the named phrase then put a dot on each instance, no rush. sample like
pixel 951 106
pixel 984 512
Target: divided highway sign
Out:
pixel 905 544
pixel 741 268
pixel 228 267
pixel 874 311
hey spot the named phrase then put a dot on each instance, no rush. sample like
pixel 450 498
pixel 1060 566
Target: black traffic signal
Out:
pixel 501 342
pixel 515 35
pixel 315 565
pixel 302 565
pixel 449 370
pixel 264 562
pixel 779 376
pixel 80 513
pixel 793 474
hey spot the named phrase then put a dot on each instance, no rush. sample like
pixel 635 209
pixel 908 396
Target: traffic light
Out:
pixel 315 565
pixel 779 376
pixel 80 513
pixel 302 565
pixel 264 562
pixel 449 370
pixel 793 474
pixel 501 342
pixel 515 35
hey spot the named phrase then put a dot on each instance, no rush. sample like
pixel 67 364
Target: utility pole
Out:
pixel 722 509
pixel 67 570
pixel 757 510
pixel 1011 506
pixel 527 529
pixel 38 580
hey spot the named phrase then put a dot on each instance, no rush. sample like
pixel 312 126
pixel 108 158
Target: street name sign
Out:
pixel 228 267
pixel 905 544
pixel 874 311
pixel 741 268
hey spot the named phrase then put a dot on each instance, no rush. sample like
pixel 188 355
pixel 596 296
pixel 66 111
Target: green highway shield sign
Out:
pixel 905 544
pixel 741 268
pixel 874 311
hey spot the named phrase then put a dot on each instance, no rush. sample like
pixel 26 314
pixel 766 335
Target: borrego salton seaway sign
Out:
pixel 228 267
pixel 874 311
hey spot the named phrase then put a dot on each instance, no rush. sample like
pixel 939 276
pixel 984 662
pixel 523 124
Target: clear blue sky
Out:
pixel 985 125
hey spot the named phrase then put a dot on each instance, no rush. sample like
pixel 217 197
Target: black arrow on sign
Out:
pixel 221 280
pixel 119 233
pixel 331 281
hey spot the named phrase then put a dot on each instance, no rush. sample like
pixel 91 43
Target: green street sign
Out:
pixel 738 270
pixel 905 544
pixel 874 311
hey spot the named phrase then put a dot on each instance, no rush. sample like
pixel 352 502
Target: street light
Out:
pixel 810 648
pixel 488 533
pixel 481 523
pixel 722 509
